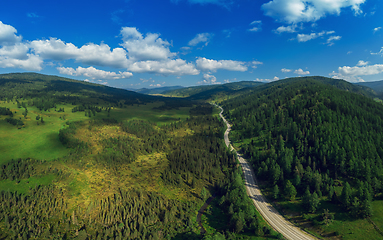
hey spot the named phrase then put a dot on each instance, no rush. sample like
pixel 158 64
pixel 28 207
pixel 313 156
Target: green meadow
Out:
pixel 40 140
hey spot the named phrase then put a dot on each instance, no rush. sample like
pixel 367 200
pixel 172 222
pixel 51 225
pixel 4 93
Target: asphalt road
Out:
pixel 272 216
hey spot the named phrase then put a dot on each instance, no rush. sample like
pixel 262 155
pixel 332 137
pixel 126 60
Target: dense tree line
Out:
pixel 14 121
pixel 306 138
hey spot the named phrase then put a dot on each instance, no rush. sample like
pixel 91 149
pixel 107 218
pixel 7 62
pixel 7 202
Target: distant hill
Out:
pixel 159 90
pixel 212 91
pixel 72 91
pixel 377 86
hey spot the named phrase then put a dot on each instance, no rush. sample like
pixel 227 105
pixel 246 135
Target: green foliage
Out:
pixel 15 122
pixel 290 191
pixel 313 134
pixel 275 192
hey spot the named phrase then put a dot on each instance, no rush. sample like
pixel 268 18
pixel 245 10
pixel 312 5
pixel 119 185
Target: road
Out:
pixel 269 213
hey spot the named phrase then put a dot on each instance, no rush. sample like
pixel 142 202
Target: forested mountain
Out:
pixel 59 89
pixel 310 140
pixel 213 91
pixel 377 86
pixel 159 90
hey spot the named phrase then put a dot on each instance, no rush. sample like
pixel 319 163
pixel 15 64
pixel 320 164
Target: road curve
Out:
pixel 272 216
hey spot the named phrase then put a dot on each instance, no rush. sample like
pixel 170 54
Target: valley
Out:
pixel 86 161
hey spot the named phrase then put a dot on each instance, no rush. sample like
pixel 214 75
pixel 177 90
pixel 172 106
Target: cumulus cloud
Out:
pixel 295 11
pixel 14 53
pixel 17 51
pixel 140 48
pixel 91 54
pixel 201 38
pixel 209 79
pixel 54 49
pixel 285 70
pixel 301 72
pixel 31 63
pixel 177 67
pixel 256 26
pixel 353 73
pixel 8 35
pixel 307 37
pixel 205 64
pixel 94 73
pixel 102 55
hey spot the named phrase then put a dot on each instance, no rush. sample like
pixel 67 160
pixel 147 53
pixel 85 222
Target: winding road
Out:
pixel 269 213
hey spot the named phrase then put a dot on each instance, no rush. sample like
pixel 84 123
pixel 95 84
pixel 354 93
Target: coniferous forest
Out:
pixel 309 140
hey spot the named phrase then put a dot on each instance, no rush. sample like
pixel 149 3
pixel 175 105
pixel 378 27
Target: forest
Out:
pixel 116 173
pixel 314 142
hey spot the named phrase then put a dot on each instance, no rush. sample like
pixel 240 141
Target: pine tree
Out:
pixel 314 202
pixel 275 192
pixel 290 190
pixel 346 195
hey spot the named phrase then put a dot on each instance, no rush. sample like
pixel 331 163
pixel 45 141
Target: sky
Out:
pixel 145 43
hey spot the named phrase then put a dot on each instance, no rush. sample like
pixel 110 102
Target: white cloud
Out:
pixel 177 67
pixel 31 63
pixel 295 11
pixel 256 26
pixel 8 35
pixel 301 72
pixel 209 79
pixel 101 55
pixel 213 65
pixel 140 48
pixel 377 29
pixel 201 38
pixel 378 53
pixel 54 49
pixel 266 79
pixel 17 51
pixel 307 37
pixel 362 63
pixel 330 40
pixel 254 64
pixel 91 54
pixel 285 70
pixel 94 73
pixel 353 74
pixel 289 29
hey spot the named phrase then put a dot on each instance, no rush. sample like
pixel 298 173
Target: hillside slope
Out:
pixel 311 141
pixel 213 91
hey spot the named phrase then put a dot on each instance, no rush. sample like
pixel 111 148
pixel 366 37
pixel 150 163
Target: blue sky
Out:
pixel 142 43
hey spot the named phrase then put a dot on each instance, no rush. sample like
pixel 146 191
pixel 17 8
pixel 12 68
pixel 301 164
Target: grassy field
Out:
pixel 40 141
pixel 23 185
